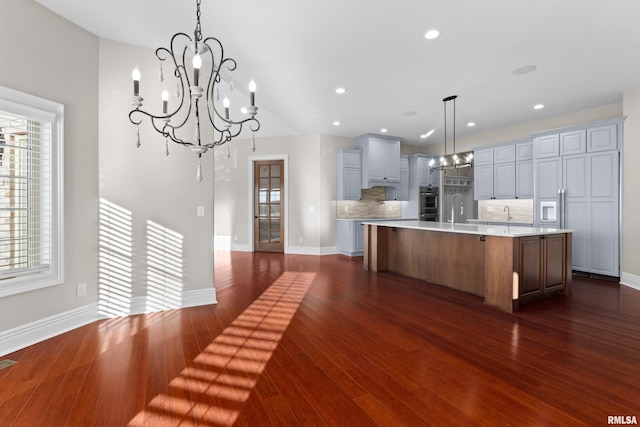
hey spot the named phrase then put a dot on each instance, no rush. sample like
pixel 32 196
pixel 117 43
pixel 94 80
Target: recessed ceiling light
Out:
pixel 525 69
pixel 428 134
pixel 383 130
pixel 431 34
pixel 336 123
pixel 471 124
pixel 340 90
pixel 538 106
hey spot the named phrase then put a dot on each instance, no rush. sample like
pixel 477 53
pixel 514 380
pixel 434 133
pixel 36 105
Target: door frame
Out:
pixel 250 192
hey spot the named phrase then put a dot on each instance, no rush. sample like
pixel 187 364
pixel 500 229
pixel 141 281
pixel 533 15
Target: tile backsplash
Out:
pixel 521 210
pixel 370 205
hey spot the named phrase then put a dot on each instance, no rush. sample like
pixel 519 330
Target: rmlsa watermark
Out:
pixel 622 419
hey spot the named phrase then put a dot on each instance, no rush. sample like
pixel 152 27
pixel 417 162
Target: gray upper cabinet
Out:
pixel 401 191
pixel 504 180
pixel 602 138
pixel 546 146
pixel 483 157
pixel 498 173
pixel 483 182
pixel 424 176
pixel 380 160
pixel 348 174
pixel 504 154
pixel 524 151
pixel 524 179
pixel 574 142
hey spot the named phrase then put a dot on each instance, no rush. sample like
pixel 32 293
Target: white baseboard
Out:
pixel 312 250
pixel 630 280
pixel 23 336
pixel 43 329
pixel 241 247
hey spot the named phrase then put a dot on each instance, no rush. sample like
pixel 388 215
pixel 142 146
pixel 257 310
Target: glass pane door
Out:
pixel 268 202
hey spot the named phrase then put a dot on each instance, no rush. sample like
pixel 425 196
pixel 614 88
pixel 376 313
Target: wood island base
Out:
pixel 506 270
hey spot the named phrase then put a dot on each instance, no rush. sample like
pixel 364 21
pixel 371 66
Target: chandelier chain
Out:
pixel 198 32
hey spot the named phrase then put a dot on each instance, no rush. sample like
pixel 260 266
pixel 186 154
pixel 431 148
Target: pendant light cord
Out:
pixel 445 100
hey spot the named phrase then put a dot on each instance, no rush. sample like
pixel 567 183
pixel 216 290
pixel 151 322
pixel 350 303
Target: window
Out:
pixel 31 141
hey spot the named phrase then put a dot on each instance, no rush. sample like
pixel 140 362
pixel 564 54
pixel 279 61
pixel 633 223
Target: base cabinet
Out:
pixel 350 237
pixel 542 265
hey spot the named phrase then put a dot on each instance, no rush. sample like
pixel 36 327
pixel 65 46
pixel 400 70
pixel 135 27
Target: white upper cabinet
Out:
pixel 380 160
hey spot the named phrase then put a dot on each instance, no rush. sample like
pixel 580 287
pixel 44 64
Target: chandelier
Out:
pixel 455 160
pixel 176 123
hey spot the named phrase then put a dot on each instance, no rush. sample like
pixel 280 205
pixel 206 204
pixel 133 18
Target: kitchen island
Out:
pixel 506 265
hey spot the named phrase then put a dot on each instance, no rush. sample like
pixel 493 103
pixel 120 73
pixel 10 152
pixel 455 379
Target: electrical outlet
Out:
pixel 200 210
pixel 81 289
pixel 301 240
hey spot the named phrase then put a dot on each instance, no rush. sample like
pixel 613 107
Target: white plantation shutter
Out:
pixel 24 202
pixel 30 192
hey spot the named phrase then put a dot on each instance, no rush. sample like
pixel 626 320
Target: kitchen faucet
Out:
pixel 453 213
pixel 508 210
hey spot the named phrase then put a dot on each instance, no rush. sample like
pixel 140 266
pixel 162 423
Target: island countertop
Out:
pixel 479 229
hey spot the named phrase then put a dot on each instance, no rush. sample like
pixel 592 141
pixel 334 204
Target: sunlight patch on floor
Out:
pixel 222 377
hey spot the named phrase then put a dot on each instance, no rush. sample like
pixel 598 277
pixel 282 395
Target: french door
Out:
pixel 268 203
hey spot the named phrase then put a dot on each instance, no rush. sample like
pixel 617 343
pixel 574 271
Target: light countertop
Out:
pixel 481 229
pixel 495 221
pixel 376 219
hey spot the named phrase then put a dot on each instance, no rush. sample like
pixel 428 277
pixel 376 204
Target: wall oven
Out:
pixel 429 204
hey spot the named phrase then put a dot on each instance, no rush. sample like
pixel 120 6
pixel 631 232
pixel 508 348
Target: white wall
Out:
pixel 630 189
pixel 46 56
pixel 311 191
pixel 154 189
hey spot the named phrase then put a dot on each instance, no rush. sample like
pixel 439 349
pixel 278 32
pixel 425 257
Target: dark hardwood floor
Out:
pixel 307 340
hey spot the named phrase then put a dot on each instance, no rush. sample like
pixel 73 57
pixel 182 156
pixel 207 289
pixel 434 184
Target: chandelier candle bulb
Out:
pixel 165 101
pixel 135 74
pixel 197 63
pixel 226 104
pixel 252 90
